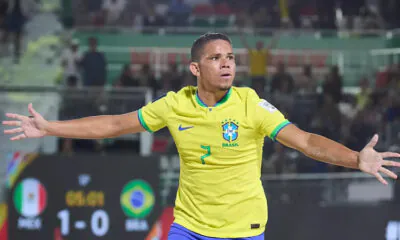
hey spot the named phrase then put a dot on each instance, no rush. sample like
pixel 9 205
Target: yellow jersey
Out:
pixel 258 62
pixel 220 193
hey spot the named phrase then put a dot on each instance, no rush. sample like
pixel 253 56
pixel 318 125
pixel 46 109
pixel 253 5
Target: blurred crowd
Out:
pixel 314 104
pixel 151 15
pixel 305 14
pixel 14 14
pixel 351 119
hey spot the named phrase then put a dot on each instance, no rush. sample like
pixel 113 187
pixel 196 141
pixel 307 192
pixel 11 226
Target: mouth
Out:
pixel 226 75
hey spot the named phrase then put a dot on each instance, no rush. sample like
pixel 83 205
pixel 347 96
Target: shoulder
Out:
pixel 175 97
pixel 185 94
pixel 169 96
pixel 252 99
pixel 252 51
pixel 246 94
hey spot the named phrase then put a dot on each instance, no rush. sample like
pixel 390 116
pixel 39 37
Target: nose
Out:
pixel 225 63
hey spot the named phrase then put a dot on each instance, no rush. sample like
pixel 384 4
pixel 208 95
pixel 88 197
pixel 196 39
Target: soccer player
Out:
pixel 219 132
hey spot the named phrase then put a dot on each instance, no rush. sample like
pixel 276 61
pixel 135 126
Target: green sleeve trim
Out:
pixel 278 129
pixel 142 122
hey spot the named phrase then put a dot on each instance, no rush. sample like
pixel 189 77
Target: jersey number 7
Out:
pixel 208 149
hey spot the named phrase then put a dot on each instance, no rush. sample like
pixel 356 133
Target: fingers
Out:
pixel 19 137
pixel 388 172
pixel 16 116
pixel 14 130
pixel 31 110
pixel 12 123
pixel 389 155
pixel 373 141
pixel 380 178
pixel 390 163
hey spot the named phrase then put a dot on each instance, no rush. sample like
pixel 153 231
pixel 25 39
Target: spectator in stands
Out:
pixel 326 14
pixel 333 84
pixel 351 11
pixel 18 12
pixel 365 123
pixel 3 27
pixel 147 79
pixel 66 16
pixel 306 83
pixel 259 58
pixel 112 10
pixel 68 110
pixel 294 8
pixel 188 79
pixel 265 14
pixel 172 79
pixel 392 108
pixel 3 14
pixel 282 87
pixel 74 105
pixel 363 98
pixel 243 20
pixel 70 60
pixel 279 161
pixel 94 65
pixel 179 12
pixel 390 10
pixel 371 19
pixel 385 77
pixel 153 18
pixel 282 81
pixel 328 119
pixel 94 11
pixel 261 18
pixel 126 79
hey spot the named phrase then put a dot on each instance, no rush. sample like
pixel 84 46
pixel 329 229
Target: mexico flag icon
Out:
pixel 30 197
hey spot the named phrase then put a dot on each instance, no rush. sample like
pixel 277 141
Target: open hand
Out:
pixel 373 162
pixel 27 127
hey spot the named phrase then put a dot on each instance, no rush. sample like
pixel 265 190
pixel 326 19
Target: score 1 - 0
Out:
pixel 99 223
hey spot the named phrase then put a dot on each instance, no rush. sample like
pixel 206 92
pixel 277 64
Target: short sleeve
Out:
pixel 268 120
pixel 154 115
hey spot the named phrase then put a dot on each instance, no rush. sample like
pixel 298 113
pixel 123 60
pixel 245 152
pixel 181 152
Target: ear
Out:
pixel 194 68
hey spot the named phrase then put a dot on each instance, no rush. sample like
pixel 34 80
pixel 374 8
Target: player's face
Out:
pixel 217 66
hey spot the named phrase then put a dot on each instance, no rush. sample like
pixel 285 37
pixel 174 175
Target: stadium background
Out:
pixel 82 185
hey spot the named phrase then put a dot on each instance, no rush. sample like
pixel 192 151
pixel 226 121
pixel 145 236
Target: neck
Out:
pixel 210 98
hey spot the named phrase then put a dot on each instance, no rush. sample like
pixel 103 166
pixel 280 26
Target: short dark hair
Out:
pixel 199 44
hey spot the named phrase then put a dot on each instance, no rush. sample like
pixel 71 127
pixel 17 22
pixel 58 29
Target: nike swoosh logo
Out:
pixel 184 128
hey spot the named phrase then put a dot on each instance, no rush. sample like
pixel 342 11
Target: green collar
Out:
pixel 223 99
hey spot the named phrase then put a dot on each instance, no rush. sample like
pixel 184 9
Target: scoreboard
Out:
pixel 85 197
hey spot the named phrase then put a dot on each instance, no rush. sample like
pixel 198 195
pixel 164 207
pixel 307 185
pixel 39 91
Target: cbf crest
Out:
pixel 230 132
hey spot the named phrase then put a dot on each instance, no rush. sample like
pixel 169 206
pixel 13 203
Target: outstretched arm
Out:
pixel 96 127
pixel 328 151
pixel 244 41
pixel 274 42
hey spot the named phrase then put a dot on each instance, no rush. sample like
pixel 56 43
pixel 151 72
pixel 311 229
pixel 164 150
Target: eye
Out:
pixel 231 57
pixel 214 58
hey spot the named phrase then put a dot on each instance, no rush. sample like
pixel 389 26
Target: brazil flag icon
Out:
pixel 137 199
